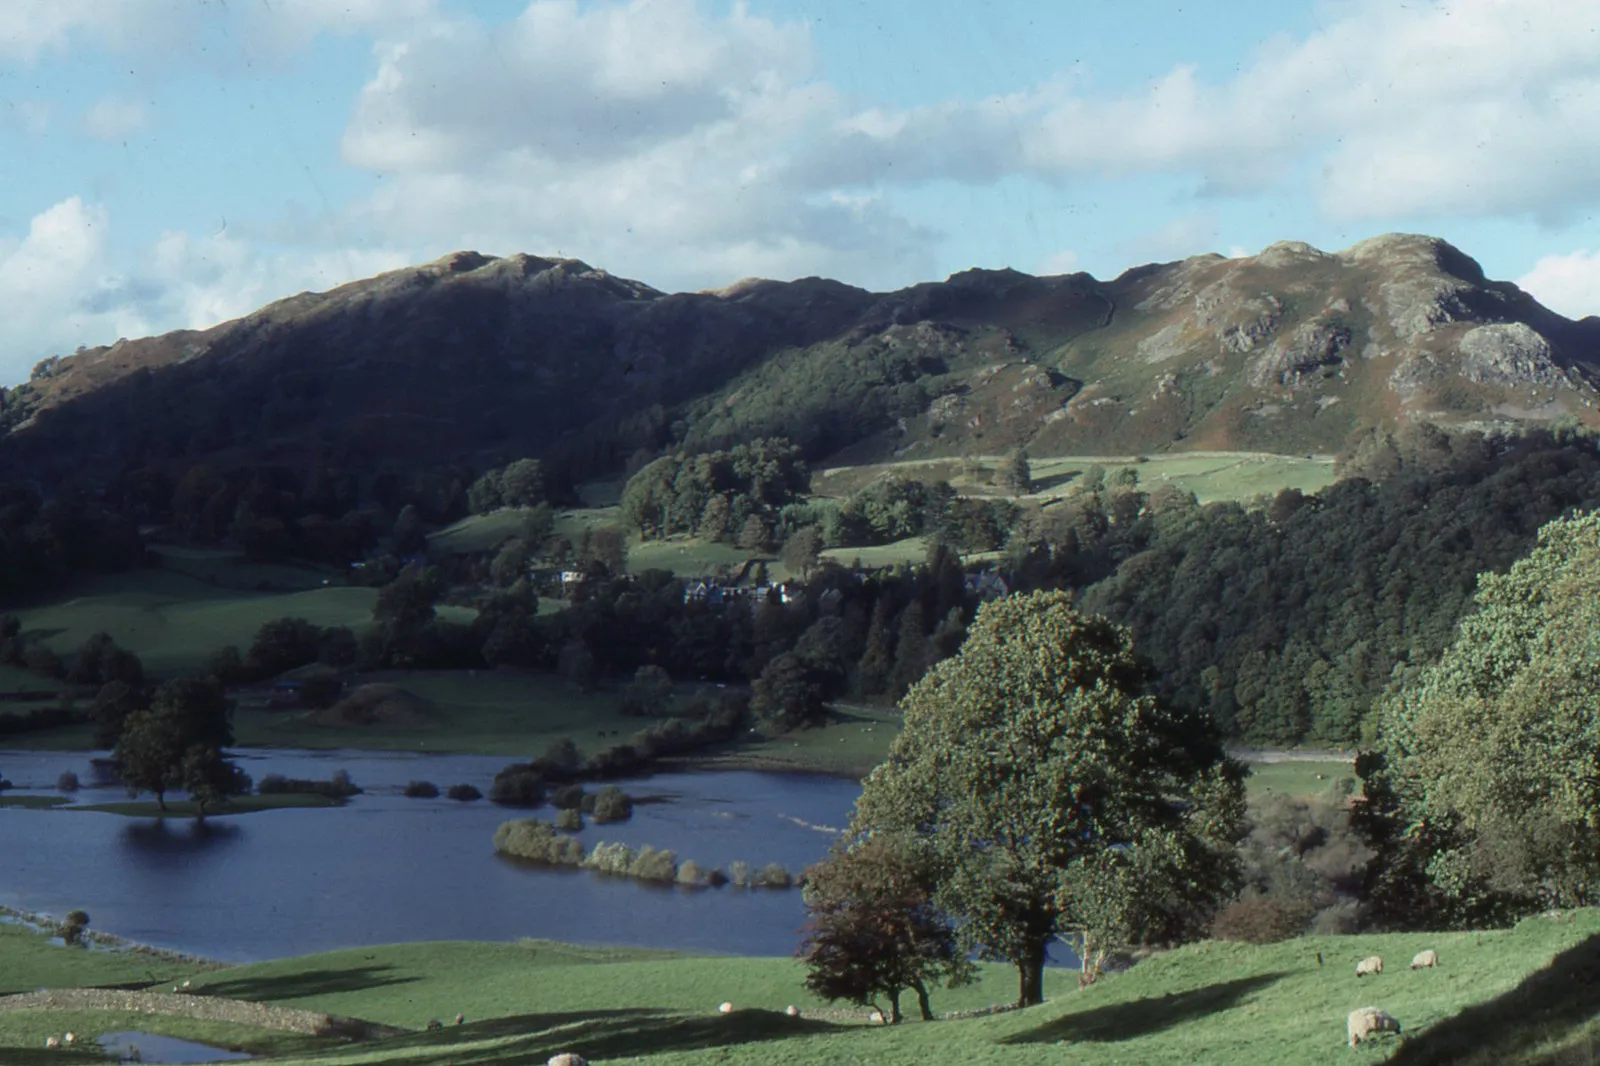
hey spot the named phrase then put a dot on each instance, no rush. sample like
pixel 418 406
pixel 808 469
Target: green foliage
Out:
pixel 677 493
pixel 569 820
pixel 1054 797
pixel 1260 921
pixel 421 790
pixel 872 927
pixel 463 793
pixel 1492 750
pixel 611 804
pixel 73 927
pixel 789 694
pixel 536 841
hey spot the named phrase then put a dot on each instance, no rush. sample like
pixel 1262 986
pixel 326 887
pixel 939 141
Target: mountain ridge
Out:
pixel 473 358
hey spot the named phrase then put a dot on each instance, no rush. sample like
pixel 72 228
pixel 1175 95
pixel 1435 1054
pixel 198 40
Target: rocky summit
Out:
pixel 473 359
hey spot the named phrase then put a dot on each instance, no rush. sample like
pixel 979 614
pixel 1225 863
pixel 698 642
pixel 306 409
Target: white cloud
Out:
pixel 1567 284
pixel 1479 107
pixel 1180 238
pixel 114 119
pixel 56 292
pixel 31 28
pixel 1063 262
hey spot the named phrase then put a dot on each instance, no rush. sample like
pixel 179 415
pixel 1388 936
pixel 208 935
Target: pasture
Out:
pixel 1498 996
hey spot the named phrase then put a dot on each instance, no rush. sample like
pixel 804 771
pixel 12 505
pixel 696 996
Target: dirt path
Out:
pixel 205 1008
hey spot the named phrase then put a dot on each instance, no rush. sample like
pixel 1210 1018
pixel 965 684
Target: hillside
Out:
pixel 473 359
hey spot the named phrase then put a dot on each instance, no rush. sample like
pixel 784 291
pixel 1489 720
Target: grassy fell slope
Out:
pixel 1517 995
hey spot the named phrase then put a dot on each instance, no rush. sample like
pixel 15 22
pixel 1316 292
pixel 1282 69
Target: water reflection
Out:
pixel 163 838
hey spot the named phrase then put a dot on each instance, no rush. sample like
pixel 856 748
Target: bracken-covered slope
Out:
pixel 473 359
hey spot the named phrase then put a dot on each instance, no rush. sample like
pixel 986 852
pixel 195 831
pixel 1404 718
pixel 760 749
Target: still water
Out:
pixel 386 868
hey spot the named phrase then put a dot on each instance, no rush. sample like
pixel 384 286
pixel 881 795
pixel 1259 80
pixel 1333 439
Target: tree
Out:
pixel 522 483
pixel 112 705
pixel 1041 778
pixel 1489 755
pixel 209 778
pixel 148 754
pixel 650 691
pixel 1017 477
pixel 789 693
pixel 753 534
pixel 802 550
pixel 873 929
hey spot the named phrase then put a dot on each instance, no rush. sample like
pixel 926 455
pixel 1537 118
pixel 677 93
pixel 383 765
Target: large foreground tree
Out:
pixel 1053 797
pixel 1483 790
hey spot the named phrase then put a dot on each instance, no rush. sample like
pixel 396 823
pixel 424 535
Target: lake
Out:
pixel 386 868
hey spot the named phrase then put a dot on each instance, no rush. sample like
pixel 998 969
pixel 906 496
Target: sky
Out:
pixel 171 164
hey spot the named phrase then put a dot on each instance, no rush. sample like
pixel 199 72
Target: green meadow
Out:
pixel 1213 1002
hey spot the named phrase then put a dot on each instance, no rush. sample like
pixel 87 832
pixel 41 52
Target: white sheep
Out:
pixel 1371 964
pixel 792 1011
pixel 186 984
pixel 567 1058
pixel 52 1041
pixel 1425 960
pixel 878 1017
pixel 726 1008
pixel 68 1038
pixel 1365 1021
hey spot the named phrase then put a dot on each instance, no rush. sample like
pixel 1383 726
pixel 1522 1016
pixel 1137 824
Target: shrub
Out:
pixel 715 877
pixel 1261 921
pixel 739 874
pixel 569 820
pixel 608 858
pixel 536 841
pixel 772 875
pixel 569 798
pixel 422 790
pixel 652 865
pixel 67 782
pixel 1340 919
pixel 465 793
pixel 518 785
pixel 561 761
pixel 72 929
pixel 338 786
pixel 586 803
pixel 612 804
pixel 691 873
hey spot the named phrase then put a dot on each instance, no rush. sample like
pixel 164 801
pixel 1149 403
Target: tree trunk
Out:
pixel 161 799
pixel 922 1001
pixel 894 1007
pixel 1030 968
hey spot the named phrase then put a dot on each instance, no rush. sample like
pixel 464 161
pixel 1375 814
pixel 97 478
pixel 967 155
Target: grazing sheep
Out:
pixel 1425 960
pixel 1370 964
pixel 435 1023
pixel 726 1008
pixel 1365 1021
pixel 792 1011
pixel 68 1038
pixel 186 984
pixel 567 1058
pixel 52 1041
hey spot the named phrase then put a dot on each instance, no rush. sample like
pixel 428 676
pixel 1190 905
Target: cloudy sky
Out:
pixel 173 163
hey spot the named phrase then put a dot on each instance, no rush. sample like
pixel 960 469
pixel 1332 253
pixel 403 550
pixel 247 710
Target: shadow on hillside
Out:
pixel 1054 481
pixel 608 1034
pixel 310 983
pixel 1548 1005
pixel 1125 1021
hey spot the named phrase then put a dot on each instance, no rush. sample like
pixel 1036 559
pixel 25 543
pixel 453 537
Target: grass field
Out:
pixel 1522 995
pixel 173 621
pixel 1209 475
pixel 1298 777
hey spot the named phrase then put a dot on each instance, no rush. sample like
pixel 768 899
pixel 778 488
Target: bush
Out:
pixel 465 793
pixel 518 785
pixel 739 874
pixel 67 782
pixel 536 841
pixel 715 877
pixel 691 873
pixel 422 790
pixel 72 929
pixel 1340 919
pixel 570 798
pixel 611 804
pixel 772 875
pixel 1261 921
pixel 613 859
pixel 338 786
pixel 652 865
pixel 569 820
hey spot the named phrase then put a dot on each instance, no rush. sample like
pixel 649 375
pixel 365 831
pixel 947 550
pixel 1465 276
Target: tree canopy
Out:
pixel 1055 798
pixel 1487 762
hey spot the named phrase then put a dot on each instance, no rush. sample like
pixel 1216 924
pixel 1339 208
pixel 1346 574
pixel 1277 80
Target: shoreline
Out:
pixel 43 923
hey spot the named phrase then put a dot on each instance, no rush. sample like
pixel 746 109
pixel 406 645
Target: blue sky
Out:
pixel 173 163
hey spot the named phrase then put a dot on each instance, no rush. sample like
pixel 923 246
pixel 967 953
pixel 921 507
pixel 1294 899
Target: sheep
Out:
pixel 1365 1021
pixel 1425 960
pixel 792 1011
pixel 567 1058
pixel 1371 964
pixel 68 1038
pixel 726 1008
pixel 877 1017
pixel 52 1041
pixel 186 984
pixel 435 1023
